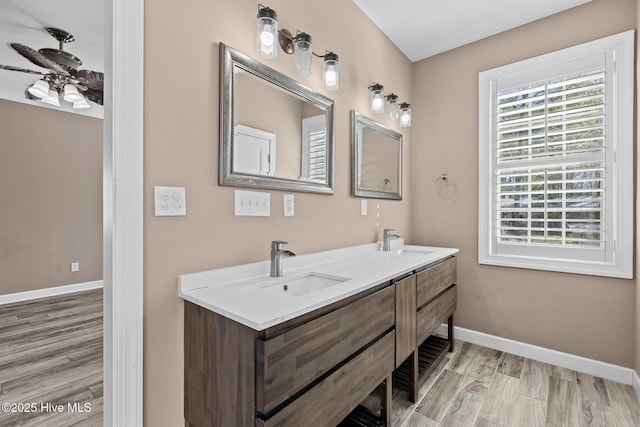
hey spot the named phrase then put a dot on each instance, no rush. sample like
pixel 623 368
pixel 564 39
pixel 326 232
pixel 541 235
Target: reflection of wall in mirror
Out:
pixel 379 164
pixel 264 106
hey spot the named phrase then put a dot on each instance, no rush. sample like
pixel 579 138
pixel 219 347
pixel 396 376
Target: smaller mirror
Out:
pixel 377 159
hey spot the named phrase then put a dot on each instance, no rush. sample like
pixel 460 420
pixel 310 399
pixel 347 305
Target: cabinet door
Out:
pixel 405 318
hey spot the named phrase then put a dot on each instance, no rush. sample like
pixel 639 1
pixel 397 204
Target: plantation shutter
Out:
pixel 550 161
pixel 318 155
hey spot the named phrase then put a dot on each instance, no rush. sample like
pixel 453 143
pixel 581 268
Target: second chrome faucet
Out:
pixel 277 253
pixel 386 239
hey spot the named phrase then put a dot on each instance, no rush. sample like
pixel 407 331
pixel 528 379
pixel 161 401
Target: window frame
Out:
pixel 619 150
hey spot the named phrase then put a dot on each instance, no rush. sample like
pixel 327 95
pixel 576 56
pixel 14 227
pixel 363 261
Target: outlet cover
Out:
pixel 170 201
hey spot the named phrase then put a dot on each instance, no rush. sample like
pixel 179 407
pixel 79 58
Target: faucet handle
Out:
pixel 276 245
pixel 387 231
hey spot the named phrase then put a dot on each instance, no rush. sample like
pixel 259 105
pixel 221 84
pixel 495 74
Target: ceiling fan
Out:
pixel 64 77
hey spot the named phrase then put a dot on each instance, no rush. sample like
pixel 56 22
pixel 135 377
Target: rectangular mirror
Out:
pixel 275 133
pixel 377 159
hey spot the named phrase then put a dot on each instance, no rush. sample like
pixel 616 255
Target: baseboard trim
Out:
pixel 49 292
pixel 636 383
pixel 566 360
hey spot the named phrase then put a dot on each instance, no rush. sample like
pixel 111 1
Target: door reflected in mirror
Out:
pixel 275 133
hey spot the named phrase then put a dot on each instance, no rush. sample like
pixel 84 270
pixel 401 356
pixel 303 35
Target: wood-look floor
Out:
pixel 480 387
pixel 51 353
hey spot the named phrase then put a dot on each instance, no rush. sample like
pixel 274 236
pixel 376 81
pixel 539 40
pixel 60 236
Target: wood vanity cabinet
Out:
pixel 315 369
pixel 434 303
pixel 312 370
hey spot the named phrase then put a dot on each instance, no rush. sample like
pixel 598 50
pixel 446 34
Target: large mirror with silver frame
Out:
pixel 275 133
pixel 377 159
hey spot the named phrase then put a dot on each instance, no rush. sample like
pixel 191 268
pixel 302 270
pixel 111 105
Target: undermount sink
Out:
pixel 303 285
pixel 411 251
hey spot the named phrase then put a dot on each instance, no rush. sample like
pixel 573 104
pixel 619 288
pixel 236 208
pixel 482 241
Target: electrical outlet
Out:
pixel 287 200
pixel 170 201
pixel 75 267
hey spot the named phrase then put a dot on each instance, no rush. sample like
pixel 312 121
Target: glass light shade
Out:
pixel 81 103
pixel 405 115
pixel 303 50
pixel 392 106
pixel 267 33
pixel 377 98
pixel 40 89
pixel 52 98
pixel 71 93
pixel 331 76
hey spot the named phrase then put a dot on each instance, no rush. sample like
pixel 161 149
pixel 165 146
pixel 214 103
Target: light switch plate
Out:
pixel 363 207
pixel 288 207
pixel 251 203
pixel 170 201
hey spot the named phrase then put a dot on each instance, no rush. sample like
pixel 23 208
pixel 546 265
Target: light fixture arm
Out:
pixel 287 40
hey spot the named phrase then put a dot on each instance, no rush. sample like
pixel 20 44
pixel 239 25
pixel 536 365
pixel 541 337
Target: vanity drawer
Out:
pixel 285 364
pixel 332 399
pixel 434 280
pixel 433 314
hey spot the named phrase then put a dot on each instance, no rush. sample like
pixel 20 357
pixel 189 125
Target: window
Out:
pixel 556 161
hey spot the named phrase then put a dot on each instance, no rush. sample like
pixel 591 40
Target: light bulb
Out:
pixel 377 103
pixel 330 76
pixel 266 37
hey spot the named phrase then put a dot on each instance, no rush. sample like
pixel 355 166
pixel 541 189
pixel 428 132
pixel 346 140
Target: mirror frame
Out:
pixel 358 123
pixel 230 58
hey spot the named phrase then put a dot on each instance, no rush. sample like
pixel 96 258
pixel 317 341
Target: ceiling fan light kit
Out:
pixel 52 98
pixel 40 89
pixel 71 93
pixel 64 78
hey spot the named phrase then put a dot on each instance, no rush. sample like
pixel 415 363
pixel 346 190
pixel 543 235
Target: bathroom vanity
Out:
pixel 307 348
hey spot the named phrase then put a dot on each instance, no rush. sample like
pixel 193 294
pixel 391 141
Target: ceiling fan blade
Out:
pixel 91 79
pixel 93 95
pixel 24 70
pixel 38 59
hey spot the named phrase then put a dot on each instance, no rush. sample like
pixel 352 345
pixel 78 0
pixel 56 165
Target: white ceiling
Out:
pixel 423 28
pixel 23 21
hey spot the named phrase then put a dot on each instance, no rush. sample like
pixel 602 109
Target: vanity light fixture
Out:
pixel 330 75
pixel 377 98
pixel 392 106
pixel 405 115
pixel 267 32
pixel 301 44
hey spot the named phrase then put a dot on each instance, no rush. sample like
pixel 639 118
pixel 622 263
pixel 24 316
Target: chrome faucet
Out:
pixel 386 239
pixel 277 253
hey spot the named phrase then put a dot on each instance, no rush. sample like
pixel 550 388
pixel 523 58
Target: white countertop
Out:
pixel 246 293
